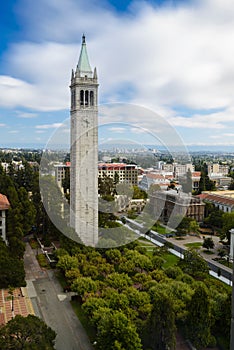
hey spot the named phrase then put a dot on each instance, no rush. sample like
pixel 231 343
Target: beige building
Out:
pixel 125 173
pixel 60 172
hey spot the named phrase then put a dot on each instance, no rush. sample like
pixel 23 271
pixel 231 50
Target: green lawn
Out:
pixel 194 245
pixel 160 229
pixel 171 260
pixel 90 330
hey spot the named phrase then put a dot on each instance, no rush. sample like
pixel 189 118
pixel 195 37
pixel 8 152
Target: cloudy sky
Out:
pixel 174 58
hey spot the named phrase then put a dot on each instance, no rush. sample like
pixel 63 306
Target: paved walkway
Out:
pixel 53 306
pixel 20 305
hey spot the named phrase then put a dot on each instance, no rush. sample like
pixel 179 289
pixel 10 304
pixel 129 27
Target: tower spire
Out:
pixel 83 64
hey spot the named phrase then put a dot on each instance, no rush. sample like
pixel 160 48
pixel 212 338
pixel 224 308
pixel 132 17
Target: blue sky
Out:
pixel 174 58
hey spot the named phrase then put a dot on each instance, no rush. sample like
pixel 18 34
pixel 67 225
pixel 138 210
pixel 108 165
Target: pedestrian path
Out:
pixel 17 304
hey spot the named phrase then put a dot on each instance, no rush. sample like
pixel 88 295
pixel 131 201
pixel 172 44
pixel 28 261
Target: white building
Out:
pixel 155 179
pixel 4 206
pixel 216 169
pixel 84 150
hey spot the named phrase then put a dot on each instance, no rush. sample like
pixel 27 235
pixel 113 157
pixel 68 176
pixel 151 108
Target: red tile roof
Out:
pixel 215 198
pixel 4 203
pixel 196 174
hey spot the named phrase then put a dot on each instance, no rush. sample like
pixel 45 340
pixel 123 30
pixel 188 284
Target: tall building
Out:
pixel 125 173
pixel 84 150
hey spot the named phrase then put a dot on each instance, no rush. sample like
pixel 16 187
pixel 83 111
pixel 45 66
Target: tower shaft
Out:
pixel 84 151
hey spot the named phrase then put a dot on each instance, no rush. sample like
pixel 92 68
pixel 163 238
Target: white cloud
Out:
pixel 117 130
pixel 162 57
pixel 26 115
pixel 49 126
pixel 13 131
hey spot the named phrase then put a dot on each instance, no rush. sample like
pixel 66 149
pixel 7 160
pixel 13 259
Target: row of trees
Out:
pixel 135 303
pixel 26 213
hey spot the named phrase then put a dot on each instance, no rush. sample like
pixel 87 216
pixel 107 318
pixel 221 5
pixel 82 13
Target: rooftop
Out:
pixel 4 203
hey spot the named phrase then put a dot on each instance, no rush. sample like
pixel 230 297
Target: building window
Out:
pixel 82 97
pixel 86 98
pixel 91 98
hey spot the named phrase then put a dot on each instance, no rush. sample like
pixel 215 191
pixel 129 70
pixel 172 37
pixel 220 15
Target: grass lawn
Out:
pixel 171 260
pixel 194 245
pixel 160 229
pixel 90 330
pixel 149 246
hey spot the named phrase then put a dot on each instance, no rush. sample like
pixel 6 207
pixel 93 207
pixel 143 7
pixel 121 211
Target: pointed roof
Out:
pixel 83 63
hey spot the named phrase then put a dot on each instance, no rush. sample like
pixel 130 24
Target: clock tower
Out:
pixel 84 150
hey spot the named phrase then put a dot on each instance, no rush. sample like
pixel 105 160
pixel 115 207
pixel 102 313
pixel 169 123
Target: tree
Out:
pixel 118 281
pixel 161 326
pixel 187 225
pixel 193 264
pixel 11 268
pixel 198 321
pixel 83 285
pixel 116 331
pixel 138 193
pixel 29 333
pixel 228 224
pixel 208 243
pixel 67 262
pixel 215 217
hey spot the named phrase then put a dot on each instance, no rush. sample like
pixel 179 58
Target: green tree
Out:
pixel 118 281
pixel 67 262
pixel 228 224
pixel 161 326
pixel 193 264
pixel 29 333
pixel 138 193
pixel 215 217
pixel 116 331
pixel 198 321
pixel 208 243
pixel 83 285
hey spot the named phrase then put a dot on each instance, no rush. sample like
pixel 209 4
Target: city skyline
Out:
pixel 172 57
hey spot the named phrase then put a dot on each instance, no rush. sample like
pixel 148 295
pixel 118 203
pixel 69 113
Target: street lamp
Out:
pixel 232 319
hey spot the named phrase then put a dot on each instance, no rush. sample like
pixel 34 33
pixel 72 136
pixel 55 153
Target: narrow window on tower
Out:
pixel 82 97
pixel 74 98
pixel 91 98
pixel 86 98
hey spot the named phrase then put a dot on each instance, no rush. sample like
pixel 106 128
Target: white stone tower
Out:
pixel 84 150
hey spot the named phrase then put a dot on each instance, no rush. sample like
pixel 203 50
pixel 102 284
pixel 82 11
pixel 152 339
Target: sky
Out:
pixel 172 58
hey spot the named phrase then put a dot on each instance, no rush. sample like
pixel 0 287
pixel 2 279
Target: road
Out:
pixel 53 306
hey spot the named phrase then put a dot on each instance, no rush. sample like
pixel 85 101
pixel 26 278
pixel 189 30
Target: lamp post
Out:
pixel 232 319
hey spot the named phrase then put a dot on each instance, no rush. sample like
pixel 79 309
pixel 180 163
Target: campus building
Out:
pixel 123 173
pixel 168 205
